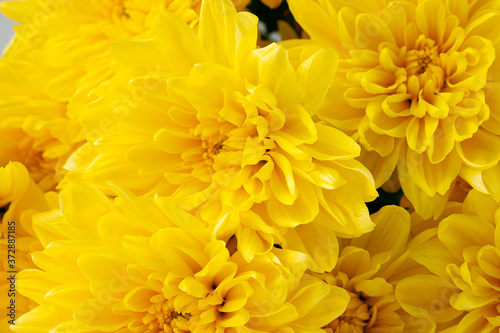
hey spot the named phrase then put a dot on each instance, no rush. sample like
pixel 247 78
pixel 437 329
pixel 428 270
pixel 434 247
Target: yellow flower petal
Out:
pixel 321 26
pixel 313 76
pixel 126 52
pixel 14 181
pixel 181 45
pixel 390 234
pixel 47 319
pixel 418 292
pixel 432 178
pixel 318 304
pixel 455 234
pixel 325 148
pixel 481 150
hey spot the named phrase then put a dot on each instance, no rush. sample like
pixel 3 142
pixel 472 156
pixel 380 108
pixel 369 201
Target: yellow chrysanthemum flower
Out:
pixel 68 33
pixel 58 58
pixel 34 125
pixel 418 84
pixel 142 265
pixel 462 292
pixel 62 53
pixel 369 268
pixel 222 126
pixel 20 198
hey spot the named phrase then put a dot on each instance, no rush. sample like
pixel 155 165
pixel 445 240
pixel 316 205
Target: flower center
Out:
pixel 172 319
pixel 120 9
pixel 368 314
pixel 124 18
pixel 422 56
pixel 161 316
pixel 213 146
pixel 355 318
pixel 423 68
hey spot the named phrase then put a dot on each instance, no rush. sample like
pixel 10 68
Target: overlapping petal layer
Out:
pixel 20 199
pixel 219 126
pixel 217 186
pixel 369 268
pixel 143 265
pixel 417 83
pixel 55 63
pixel 462 254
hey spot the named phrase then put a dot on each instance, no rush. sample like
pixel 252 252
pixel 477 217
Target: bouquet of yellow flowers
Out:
pixel 165 166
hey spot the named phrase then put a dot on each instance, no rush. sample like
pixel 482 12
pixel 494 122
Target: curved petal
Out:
pixel 459 231
pixel 431 178
pixel 316 75
pixel 317 241
pixel 426 296
pixel 480 204
pixel 426 206
pixel 480 151
pixel 318 303
pixel 331 144
pixel 344 212
pixel 320 22
pixel 390 234
pixel 179 42
pixel 302 211
pixel 473 322
pixel 382 168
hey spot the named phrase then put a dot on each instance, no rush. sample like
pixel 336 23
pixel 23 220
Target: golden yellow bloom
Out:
pixel 55 64
pixel 369 268
pixel 462 254
pixel 75 33
pixel 418 85
pixel 224 126
pixel 20 198
pixel 68 33
pixel 142 265
pixel 34 124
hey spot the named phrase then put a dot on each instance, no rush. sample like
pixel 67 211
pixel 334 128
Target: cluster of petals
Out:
pixel 133 264
pixel 48 72
pixel 165 170
pixel 460 291
pixel 20 199
pixel 221 127
pixel 416 83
